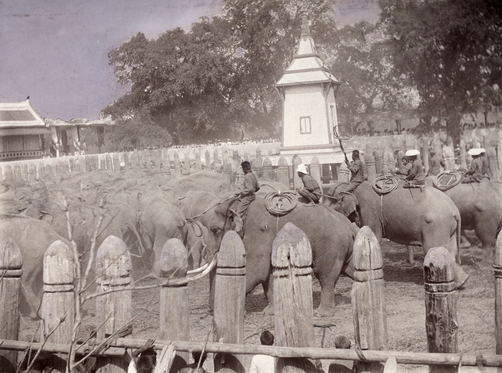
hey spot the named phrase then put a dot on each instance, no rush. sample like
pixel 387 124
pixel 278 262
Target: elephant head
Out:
pixel 347 205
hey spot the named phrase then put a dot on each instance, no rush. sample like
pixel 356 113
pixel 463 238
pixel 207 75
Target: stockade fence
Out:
pixel 381 153
pixel 292 270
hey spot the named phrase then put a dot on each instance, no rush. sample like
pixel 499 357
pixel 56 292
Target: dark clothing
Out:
pixel 247 195
pixel 486 166
pixel 356 175
pixel 311 189
pixel 435 165
pixel 416 174
pixel 475 173
pixel 357 171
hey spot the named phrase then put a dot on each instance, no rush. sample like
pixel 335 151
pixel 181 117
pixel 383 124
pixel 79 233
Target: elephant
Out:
pixel 159 221
pixel 480 206
pixel 33 237
pixel 410 216
pixel 330 233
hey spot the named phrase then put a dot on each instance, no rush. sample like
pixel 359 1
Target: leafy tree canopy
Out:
pixel 451 51
pixel 218 78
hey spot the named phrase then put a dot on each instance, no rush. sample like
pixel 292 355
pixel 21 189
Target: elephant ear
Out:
pixel 348 203
pixel 237 220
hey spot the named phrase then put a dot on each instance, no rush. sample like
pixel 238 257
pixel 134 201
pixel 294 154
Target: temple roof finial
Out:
pixel 305 26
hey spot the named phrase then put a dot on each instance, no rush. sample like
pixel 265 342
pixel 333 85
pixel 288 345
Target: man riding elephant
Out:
pixel 356 168
pixel 247 194
pixel 475 172
pixel 311 190
pixel 416 174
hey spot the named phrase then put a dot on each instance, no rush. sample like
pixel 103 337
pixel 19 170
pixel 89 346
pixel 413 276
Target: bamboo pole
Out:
pixel 402 357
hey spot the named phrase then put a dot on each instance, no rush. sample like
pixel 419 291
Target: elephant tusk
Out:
pixel 186 280
pixel 197 270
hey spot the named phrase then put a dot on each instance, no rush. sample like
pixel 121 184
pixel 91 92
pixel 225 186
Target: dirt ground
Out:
pixel 404 305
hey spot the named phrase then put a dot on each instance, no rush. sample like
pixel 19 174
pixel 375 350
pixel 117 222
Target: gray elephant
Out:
pixel 480 206
pixel 409 216
pixel 159 221
pixel 33 238
pixel 331 237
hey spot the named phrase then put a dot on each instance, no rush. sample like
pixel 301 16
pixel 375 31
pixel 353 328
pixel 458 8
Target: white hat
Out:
pixel 412 152
pixel 301 168
pixel 474 151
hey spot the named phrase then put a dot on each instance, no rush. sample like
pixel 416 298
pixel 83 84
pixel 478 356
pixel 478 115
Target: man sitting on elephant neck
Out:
pixel 416 174
pixel 356 168
pixel 475 173
pixel 247 194
pixel 311 190
pixel 435 164
pixel 485 162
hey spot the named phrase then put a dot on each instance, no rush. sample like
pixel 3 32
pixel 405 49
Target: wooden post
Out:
pixel 207 159
pixel 315 170
pixel 497 269
pixel 229 297
pixel 24 172
pixel 198 161
pixel 116 162
pixel 449 158
pixel 297 182
pixel 368 298
pixel 283 172
pixel 177 167
pixel 57 309
pixel 441 322
pixel 491 154
pixel 32 172
pixel 113 310
pixel 343 173
pixel 293 301
pixel 7 174
pixel 463 163
pixel 256 166
pixel 268 171
pixel 174 299
pixel 186 164
pixel 127 164
pixel 106 162
pixel 378 154
pixel 369 159
pixel 11 262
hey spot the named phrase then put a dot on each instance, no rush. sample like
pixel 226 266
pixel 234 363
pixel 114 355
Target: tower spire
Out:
pixel 305 26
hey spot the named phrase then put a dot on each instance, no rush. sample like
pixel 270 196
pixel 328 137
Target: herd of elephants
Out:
pixel 146 208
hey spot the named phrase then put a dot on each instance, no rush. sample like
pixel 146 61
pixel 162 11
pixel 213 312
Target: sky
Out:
pixel 56 51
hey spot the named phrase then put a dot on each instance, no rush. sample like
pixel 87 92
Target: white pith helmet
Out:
pixel 474 151
pixel 301 168
pixel 412 152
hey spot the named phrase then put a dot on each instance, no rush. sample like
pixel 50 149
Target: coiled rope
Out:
pixel 447 179
pixel 385 184
pixel 280 203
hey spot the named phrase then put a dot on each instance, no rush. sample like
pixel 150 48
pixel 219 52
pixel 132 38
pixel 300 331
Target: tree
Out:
pixel 219 78
pixel 451 51
pixel 369 88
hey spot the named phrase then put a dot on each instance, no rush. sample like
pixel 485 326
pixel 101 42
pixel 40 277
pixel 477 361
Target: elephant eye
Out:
pixel 215 230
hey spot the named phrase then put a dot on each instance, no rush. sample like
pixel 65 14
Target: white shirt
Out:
pixel 262 364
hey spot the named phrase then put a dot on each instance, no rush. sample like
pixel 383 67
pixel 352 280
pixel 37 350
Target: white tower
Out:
pixel 308 90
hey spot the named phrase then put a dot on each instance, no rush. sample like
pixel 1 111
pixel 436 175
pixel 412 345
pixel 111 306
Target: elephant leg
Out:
pixel 487 234
pixel 328 277
pixel 411 254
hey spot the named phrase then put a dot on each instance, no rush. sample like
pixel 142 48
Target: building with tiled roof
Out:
pixel 21 131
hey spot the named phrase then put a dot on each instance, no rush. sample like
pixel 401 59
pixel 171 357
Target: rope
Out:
pixel 385 184
pixel 447 179
pixel 280 203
